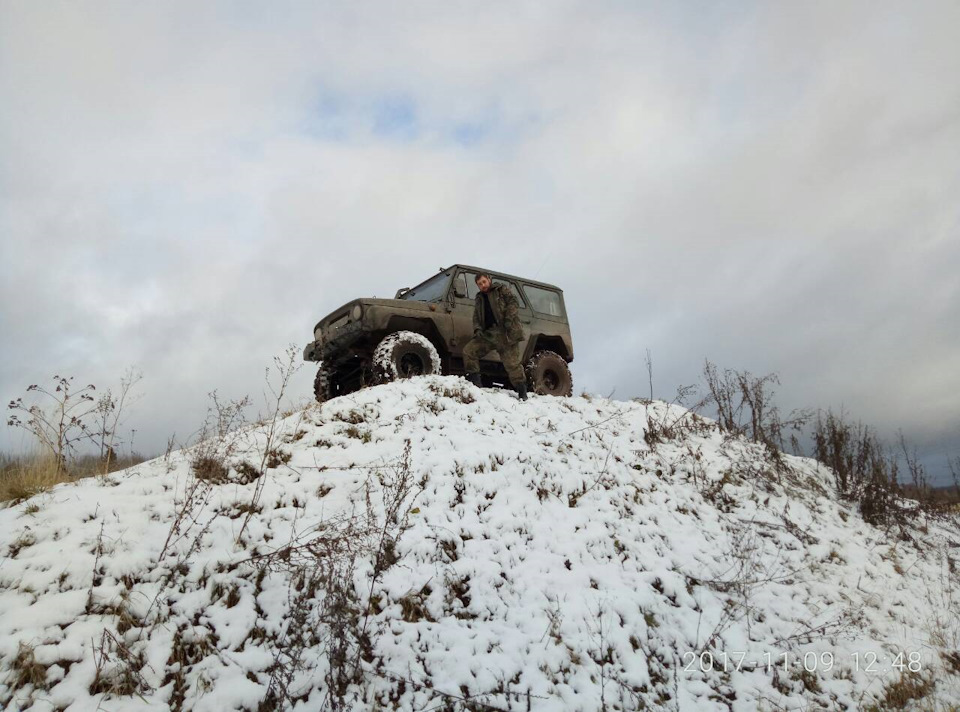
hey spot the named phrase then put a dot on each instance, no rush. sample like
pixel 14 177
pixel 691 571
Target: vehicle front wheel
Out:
pixel 549 375
pixel 404 354
pixel 323 384
pixel 340 379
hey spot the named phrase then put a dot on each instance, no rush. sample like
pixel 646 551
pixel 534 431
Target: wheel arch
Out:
pixel 544 342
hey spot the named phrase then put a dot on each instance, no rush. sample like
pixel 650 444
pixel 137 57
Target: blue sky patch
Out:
pixel 396 117
pixel 469 134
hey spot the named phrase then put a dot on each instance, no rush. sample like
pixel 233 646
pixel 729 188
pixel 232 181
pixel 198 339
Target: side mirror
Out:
pixel 401 292
pixel 458 293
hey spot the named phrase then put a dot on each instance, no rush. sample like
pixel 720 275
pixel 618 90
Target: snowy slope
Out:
pixel 430 545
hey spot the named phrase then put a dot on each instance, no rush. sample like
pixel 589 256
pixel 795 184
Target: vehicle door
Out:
pixel 463 292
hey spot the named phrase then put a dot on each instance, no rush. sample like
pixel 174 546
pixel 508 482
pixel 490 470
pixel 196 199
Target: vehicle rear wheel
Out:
pixel 549 375
pixel 404 354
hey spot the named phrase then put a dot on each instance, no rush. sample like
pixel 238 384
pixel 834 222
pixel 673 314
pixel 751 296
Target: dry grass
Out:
pixel 899 694
pixel 28 475
pixel 210 469
pixel 21 479
pixel 458 393
pixel 27 671
pixel 117 668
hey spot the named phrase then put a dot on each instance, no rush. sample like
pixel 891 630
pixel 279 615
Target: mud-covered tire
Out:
pixel 404 354
pixel 322 384
pixel 549 375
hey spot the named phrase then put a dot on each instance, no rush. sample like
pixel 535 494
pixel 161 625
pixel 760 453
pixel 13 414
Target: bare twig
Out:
pixel 286 367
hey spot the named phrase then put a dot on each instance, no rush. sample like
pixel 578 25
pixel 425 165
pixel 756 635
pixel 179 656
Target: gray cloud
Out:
pixel 773 187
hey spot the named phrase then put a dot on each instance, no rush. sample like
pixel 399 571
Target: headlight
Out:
pixel 356 313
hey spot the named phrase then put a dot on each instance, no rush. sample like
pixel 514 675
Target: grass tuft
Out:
pixel 210 469
pixel 27 671
pixel 898 694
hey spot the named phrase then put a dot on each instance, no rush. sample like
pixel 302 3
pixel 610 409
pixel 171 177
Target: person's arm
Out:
pixel 477 317
pixel 510 306
pixel 511 315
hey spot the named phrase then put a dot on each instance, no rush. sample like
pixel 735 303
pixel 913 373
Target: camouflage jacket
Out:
pixel 505 310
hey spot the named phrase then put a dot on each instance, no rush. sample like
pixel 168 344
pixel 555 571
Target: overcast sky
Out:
pixel 189 187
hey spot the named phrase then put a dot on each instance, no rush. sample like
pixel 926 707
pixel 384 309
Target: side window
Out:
pixel 471 279
pixel 544 301
pixel 460 285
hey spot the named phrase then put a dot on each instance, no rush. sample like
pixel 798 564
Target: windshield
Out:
pixel 432 290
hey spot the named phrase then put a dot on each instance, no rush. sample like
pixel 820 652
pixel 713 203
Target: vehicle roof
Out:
pixel 495 273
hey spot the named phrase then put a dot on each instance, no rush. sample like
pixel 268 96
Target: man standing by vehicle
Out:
pixel 496 325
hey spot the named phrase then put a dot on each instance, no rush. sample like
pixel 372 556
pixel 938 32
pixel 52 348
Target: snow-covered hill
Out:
pixel 430 545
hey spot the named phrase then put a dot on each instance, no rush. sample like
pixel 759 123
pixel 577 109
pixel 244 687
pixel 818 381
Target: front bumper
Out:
pixel 312 351
pixel 326 348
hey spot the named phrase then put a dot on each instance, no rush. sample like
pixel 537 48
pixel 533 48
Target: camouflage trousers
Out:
pixel 494 340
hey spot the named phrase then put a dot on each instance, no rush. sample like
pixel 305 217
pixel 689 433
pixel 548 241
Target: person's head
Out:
pixel 484 282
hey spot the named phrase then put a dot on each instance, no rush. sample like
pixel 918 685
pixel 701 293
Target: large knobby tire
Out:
pixel 322 384
pixel 404 354
pixel 549 375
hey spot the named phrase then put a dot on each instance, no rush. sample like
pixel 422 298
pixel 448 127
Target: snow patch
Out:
pixel 544 556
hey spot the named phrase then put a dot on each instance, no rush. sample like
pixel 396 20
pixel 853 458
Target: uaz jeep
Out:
pixel 423 331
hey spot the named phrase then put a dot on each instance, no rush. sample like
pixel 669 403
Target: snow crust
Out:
pixel 554 559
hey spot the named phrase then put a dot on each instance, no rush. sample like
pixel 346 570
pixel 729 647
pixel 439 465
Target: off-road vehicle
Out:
pixel 423 331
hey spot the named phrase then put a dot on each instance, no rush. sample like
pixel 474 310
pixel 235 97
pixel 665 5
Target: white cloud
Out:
pixel 775 187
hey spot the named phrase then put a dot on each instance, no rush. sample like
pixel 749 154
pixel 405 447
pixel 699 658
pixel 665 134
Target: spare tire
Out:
pixel 549 375
pixel 404 354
